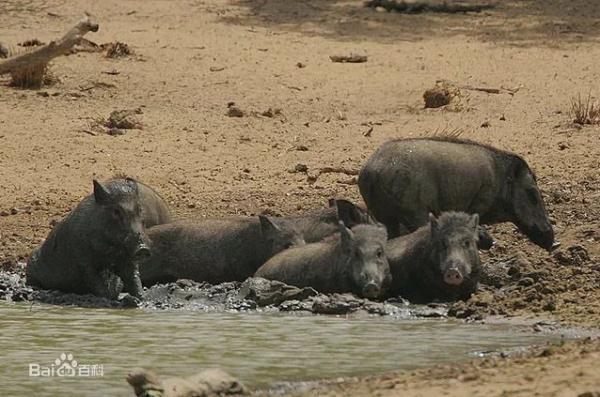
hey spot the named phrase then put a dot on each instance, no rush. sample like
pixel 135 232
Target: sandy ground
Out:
pixel 566 371
pixel 194 57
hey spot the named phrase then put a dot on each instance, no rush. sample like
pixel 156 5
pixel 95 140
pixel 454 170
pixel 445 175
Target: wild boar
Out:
pixel 406 179
pixel 215 250
pixel 438 261
pixel 352 261
pixel 95 249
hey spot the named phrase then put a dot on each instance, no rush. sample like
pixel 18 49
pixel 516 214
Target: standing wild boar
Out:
pixel 406 179
pixel 352 261
pixel 438 261
pixel 95 249
pixel 215 250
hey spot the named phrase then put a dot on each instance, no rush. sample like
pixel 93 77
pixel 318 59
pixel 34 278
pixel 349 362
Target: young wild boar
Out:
pixel 315 226
pixel 439 261
pixel 95 249
pixel 215 250
pixel 353 261
pixel 406 179
pixel 154 208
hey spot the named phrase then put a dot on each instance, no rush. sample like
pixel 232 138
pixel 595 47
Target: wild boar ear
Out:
pixel 474 221
pixel 267 226
pixel 133 183
pixel 347 235
pixel 433 221
pixel 349 213
pixel 101 194
pixel 484 240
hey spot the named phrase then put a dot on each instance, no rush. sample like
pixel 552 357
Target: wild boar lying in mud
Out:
pixel 215 250
pixel 439 261
pixel 232 249
pixel 406 179
pixel 316 225
pixel 96 248
pixel 352 261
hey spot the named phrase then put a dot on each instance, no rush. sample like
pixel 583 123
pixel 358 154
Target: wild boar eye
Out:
pixel 379 253
pixel 467 243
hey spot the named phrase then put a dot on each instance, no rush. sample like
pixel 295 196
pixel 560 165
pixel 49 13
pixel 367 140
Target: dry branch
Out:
pixel 340 170
pixel 44 54
pixel 489 90
pixel 331 170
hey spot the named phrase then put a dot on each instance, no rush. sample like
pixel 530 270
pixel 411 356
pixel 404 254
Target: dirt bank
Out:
pixel 567 370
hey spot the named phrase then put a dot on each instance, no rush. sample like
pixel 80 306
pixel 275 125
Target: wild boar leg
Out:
pixel 102 282
pixel 130 274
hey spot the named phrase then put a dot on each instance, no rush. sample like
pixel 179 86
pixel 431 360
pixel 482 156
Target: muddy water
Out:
pixel 258 348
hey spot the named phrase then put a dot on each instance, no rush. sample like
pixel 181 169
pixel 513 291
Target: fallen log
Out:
pixel 419 7
pixel 43 54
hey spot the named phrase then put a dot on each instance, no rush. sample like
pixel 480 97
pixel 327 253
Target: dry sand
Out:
pixel 192 58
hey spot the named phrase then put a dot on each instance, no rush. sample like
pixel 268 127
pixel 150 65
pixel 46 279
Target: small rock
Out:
pixel 575 255
pixel 234 111
pixel 116 49
pixel 460 310
pixel 270 112
pixel 350 58
pixel 301 168
pixel 485 124
pixel 270 292
pixel 335 304
pixel 440 95
pixel 123 120
pixel 4 52
pixel 300 65
pixel 129 301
